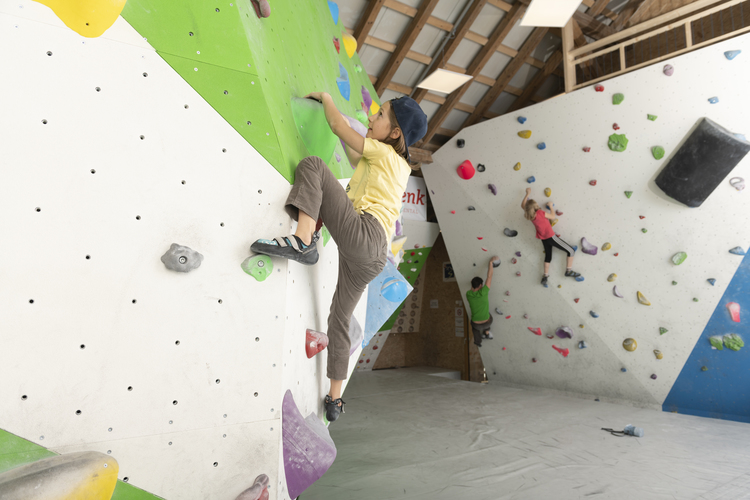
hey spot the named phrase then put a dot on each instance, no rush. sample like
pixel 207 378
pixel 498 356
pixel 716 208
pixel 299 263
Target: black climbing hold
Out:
pixel 471 208
pixel 510 232
pixel 460 143
pixel 481 167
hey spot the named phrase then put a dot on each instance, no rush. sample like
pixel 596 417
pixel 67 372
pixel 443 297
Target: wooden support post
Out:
pixel 569 69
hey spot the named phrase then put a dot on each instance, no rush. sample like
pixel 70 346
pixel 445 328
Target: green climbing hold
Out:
pixel 658 152
pixel 662 330
pixel 695 299
pixel 618 142
pixel 652 118
pixel 674 282
pixel 312 126
pixel 259 267
pixel 704 368
pixel 733 341
pixel 628 194
pixel 644 230
pixel 717 342
pixel 326 235
pixel 618 98
pixel 679 258
pixel 361 116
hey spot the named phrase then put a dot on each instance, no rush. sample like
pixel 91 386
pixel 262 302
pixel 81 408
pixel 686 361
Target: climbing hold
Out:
pixel 337 44
pixel 628 194
pixel 695 299
pixel 541 146
pixel 586 149
pixel 480 167
pixel 582 344
pixel 606 246
pixel 510 232
pixel 507 317
pixel 704 368
pixel 315 342
pixel 471 208
pixel 492 188
pixel 658 354
pixel 343 82
pixel 521 120
pixel 575 247
pixel 592 182
pixel 498 311
pixel 367 98
pixel 576 300
pixel 550 336
pixel 547 192
pixel 662 330
pixel 713 100
pixel 453 211
pixel 643 300
pixel 374 107
pixel 644 230
pixel 357 68
pixel 258 491
pixel 334 8
pixel 734 311
pixel 658 152
pixel 90 19
pixel 717 342
pixel 524 134
pixel 530 179
pixel 593 314
pixel 558 286
pixel 517 166
pixel 496 263
pixel 615 126
pixel 737 183
pixel 668 69
pixel 599 88
pixel 679 258
pixel 518 254
pixel 618 142
pixel 564 332
pixel 731 54
pixel 611 277
pixel 578 279
pixel 623 369
pixel 630 345
pixel 618 98
pixel 460 143
pixel 518 273
pixel 581 326
pixel 350 44
pixel 562 351
pixel 712 281
pixel 588 248
pixel 616 292
pixel 535 331
pixel 533 360
pixel 525 316
pixel 558 213
pixel 484 249
pixel 338 156
pixel 737 251
pixel 480 237
pixel 513 260
pixel 733 341
pixel 653 376
pixel 617 253
pixel 651 117
pixel 465 170
pixel 641 217
pixel 553 222
pixel 181 259
pixel 394 289
pixel 507 293
pixel 259 267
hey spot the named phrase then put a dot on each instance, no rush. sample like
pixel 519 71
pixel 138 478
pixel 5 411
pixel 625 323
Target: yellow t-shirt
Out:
pixel 378 183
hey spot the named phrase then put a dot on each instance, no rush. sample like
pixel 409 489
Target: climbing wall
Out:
pixel 111 155
pixel 645 230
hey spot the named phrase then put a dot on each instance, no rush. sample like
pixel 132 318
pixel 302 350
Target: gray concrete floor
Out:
pixel 410 435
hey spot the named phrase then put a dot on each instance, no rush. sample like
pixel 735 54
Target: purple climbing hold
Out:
pixel 493 188
pixel 366 97
pixel 653 376
pixel 398 229
pixel 308 448
pixel 338 156
pixel 564 332
pixel 588 248
pixel 518 254
pixel 737 183
pixel 616 292
pixel 668 69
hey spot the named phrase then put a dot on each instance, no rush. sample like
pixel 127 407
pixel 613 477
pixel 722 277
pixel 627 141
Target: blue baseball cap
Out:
pixel 411 119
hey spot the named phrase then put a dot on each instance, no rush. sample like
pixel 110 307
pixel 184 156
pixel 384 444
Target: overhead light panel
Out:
pixel 550 13
pixel 444 81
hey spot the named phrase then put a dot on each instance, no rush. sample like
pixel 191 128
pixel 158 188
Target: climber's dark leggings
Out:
pixel 557 242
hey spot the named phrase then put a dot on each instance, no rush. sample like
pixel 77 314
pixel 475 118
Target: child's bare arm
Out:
pixel 550 212
pixel 523 203
pixel 339 125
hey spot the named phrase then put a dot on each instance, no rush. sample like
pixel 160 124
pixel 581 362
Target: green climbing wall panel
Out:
pixel 261 64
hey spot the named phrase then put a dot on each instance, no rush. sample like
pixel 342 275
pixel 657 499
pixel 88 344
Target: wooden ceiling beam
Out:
pixel 450 47
pixel 605 12
pixel 420 155
pixel 506 25
pixel 507 75
pixel 553 62
pixel 640 14
pixel 407 40
pixel 625 14
pixel 366 21
pixel 597 8
pixel 590 26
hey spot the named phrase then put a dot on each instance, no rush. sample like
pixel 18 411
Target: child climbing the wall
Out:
pixel 540 218
pixel 479 303
pixel 361 219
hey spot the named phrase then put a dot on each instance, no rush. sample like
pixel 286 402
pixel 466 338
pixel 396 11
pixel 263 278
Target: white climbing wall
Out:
pixel 601 213
pixel 108 158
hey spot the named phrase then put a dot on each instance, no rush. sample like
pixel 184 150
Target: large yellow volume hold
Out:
pixel 350 44
pixel 89 18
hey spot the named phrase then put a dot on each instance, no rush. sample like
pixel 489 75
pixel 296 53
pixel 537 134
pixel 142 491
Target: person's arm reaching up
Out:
pixel 490 270
pixel 523 203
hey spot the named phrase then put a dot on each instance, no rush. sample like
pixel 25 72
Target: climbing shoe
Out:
pixel 488 335
pixel 544 282
pixel 289 247
pixel 333 410
pixel 572 274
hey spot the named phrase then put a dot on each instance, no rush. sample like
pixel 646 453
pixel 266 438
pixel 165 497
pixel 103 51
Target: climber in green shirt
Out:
pixel 479 302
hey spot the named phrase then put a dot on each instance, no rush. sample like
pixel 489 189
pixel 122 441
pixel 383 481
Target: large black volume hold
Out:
pixel 703 161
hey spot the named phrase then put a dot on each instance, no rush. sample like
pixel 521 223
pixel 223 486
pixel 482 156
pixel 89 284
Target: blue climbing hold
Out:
pixel 712 281
pixel 394 289
pixel 737 251
pixel 343 82
pixel 334 8
pixel 531 179
pixel 541 145
pixel 579 278
pixel 575 248
pixel 623 370
pixel 713 100
pixel 522 119
pixel 731 54
pixel 593 314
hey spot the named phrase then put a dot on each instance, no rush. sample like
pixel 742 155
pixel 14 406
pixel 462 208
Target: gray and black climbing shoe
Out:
pixel 289 247
pixel 488 335
pixel 544 282
pixel 572 274
pixel 333 408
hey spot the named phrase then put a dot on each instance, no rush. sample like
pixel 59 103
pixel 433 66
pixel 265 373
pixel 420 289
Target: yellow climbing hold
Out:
pixel 643 300
pixel 630 345
pixel 547 192
pixel 374 107
pixel 350 43
pixel 658 354
pixel 89 18
pixel 582 326
pixel 606 247
pixel 517 166
pixel 398 244
pixel 553 222
pixel 525 134
pixel 610 278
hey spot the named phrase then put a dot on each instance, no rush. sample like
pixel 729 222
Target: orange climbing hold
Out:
pixel 315 342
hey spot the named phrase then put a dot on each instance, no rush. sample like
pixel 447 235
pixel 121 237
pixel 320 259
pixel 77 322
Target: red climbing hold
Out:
pixel 734 311
pixel 618 253
pixel 599 88
pixel 562 351
pixel 503 348
pixel 592 183
pixel 536 331
pixel 507 317
pixel 374 348
pixel 315 342
pixel 480 237
pixel 642 216
pixel 413 253
pixel 518 273
pixel 337 44
pixel 465 170
pixel 558 213
pixel 615 126
pixel 586 149
pixel 453 211
pixel 484 249
pixel 576 300
pixel 533 360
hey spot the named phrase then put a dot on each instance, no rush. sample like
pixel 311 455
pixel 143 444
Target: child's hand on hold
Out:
pixel 528 191
pixel 318 96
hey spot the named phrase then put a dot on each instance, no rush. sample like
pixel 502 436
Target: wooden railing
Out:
pixel 655 40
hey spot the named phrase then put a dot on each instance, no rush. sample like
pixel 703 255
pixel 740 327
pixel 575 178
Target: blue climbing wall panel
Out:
pixel 723 391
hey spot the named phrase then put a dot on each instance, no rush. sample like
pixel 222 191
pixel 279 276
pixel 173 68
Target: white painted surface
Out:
pixel 601 214
pixel 241 342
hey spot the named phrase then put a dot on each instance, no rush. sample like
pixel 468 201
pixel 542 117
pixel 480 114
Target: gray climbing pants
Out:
pixel 478 329
pixel 362 246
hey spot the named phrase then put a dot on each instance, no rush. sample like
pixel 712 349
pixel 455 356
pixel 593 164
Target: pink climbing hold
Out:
pixel 562 351
pixel 599 88
pixel 507 293
pixel 533 360
pixel 586 149
pixel 484 249
pixel 734 311
pixel 513 260
pixel 535 331
pixel 480 237
pixel 262 9
pixel 453 211
pixel 337 44
pixel 558 213
pixel 315 342
pixel 466 170
pixel 592 183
